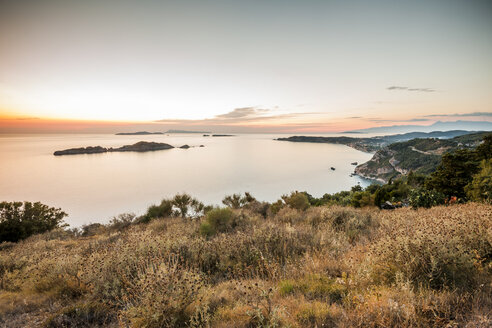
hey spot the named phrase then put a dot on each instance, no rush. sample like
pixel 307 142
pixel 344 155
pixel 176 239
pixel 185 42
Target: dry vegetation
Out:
pixel 318 267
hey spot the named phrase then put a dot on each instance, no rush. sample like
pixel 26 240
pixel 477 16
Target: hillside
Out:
pixel 418 155
pixel 301 267
pixel 372 144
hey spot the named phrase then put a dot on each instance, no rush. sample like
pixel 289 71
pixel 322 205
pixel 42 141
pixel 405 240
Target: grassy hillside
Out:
pixel 320 266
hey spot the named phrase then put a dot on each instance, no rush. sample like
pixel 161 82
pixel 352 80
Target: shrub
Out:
pixel 82 315
pixel 20 220
pixel 121 222
pixel 426 198
pixel 217 220
pixel 297 200
pixel 276 207
pixel 164 209
pixel 314 286
pixel 289 215
pixel 317 314
pixel 362 199
pixel 164 296
pixel 90 229
pixel 436 249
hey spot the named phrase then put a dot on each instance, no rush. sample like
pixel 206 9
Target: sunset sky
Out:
pixel 269 65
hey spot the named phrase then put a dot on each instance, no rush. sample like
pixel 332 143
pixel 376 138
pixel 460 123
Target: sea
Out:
pixel 96 187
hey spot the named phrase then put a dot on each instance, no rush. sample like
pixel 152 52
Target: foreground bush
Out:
pixel 218 220
pixel 20 220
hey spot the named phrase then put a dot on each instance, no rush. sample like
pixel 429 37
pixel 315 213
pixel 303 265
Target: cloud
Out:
pixel 243 115
pixel 243 112
pixel 460 115
pixel 27 118
pixel 400 88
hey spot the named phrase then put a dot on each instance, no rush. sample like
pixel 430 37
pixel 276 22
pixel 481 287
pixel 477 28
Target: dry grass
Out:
pixel 320 267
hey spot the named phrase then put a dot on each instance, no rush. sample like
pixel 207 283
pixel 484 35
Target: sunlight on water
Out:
pixel 93 188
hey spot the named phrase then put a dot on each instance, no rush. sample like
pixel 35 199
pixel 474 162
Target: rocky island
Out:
pixel 141 146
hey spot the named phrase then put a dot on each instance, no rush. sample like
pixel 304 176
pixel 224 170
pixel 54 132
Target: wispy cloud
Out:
pixel 26 118
pixel 461 115
pixel 244 112
pixel 400 88
pixel 243 115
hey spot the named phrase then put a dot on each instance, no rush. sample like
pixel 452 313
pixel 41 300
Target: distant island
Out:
pixel 222 135
pixel 142 146
pixel 139 133
pixel 185 131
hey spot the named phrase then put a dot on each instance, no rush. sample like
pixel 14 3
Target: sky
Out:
pixel 247 66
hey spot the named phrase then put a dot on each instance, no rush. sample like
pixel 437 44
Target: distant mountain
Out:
pixel 139 133
pixel 185 131
pixel 437 126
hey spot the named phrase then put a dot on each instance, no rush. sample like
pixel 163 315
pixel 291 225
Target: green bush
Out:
pixel 426 198
pixel 20 220
pixel 297 200
pixel 217 220
pixel 164 209
pixel 276 207
pixel 480 188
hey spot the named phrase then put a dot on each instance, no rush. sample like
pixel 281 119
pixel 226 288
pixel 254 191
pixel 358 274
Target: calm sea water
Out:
pixel 93 188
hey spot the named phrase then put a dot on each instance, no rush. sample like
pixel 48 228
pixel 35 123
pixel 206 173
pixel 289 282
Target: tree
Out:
pixel 234 201
pixel 454 173
pixel 184 203
pixel 484 150
pixel 20 220
pixel 480 188
pixel 237 201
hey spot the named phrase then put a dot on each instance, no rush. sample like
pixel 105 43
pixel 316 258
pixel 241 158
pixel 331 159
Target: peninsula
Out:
pixel 397 155
pixel 373 144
